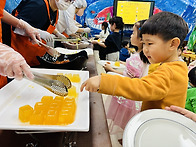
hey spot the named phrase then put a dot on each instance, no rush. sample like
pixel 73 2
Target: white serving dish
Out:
pixel 103 62
pixel 159 128
pixel 20 93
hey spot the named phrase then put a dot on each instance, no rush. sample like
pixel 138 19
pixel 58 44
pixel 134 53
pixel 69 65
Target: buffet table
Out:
pixel 97 135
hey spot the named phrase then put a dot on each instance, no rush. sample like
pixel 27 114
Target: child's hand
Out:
pixel 92 84
pixel 108 67
pixel 122 62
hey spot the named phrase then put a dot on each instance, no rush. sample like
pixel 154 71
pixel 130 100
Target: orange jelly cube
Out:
pixel 51 118
pixel 25 113
pixel 40 106
pixel 76 78
pixel 47 99
pixel 65 117
pixel 72 92
pixel 37 118
pixel 117 63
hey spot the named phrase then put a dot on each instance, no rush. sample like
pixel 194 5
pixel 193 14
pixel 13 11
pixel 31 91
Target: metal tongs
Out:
pixel 67 39
pixel 52 51
pixel 58 84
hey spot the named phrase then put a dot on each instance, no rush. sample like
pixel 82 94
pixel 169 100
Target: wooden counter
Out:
pixel 98 135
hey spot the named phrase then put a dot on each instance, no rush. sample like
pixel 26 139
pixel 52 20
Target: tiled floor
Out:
pixel 100 69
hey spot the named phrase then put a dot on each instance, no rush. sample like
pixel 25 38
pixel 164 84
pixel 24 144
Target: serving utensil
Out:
pixel 52 51
pixel 58 84
pixel 67 39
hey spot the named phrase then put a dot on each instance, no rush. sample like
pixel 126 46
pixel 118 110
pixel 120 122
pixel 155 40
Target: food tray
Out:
pixel 20 93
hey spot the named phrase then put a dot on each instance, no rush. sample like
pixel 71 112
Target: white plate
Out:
pixel 70 51
pixel 20 93
pixel 159 128
pixel 103 62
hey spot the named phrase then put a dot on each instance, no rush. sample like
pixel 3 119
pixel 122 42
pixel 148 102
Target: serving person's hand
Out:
pixel 92 84
pixel 12 64
pixel 30 31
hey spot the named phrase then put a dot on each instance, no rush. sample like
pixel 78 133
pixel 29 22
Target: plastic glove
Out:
pixel 58 34
pixel 46 36
pixel 12 64
pixel 87 30
pixel 28 31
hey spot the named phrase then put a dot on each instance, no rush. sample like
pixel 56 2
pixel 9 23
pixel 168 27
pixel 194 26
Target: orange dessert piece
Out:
pixel 57 111
pixel 25 113
pixel 117 63
pixel 76 78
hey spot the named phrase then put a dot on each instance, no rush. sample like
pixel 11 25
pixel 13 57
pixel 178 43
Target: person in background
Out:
pixel 109 49
pixel 192 65
pixel 42 15
pixel 121 110
pixel 104 33
pixel 124 52
pixel 12 64
pixel 182 111
pixel 66 23
pixel 191 91
pixel 158 89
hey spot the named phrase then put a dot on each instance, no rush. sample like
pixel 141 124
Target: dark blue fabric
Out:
pixel 124 54
pixel 35 13
pixel 113 43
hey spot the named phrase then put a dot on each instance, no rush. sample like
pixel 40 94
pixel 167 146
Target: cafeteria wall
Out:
pixel 98 11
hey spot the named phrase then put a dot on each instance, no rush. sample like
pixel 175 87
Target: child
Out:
pixel 104 33
pixel 124 52
pixel 162 34
pixel 120 109
pixel 110 48
pixel 191 92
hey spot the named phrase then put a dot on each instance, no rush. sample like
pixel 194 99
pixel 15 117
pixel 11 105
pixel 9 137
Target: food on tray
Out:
pixel 73 77
pixel 25 112
pixel 61 62
pixel 72 92
pixel 117 63
pixel 57 111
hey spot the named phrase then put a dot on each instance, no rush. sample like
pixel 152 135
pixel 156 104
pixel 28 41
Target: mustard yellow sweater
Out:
pixel 164 87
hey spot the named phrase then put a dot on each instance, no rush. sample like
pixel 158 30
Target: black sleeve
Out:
pixel 34 12
pixel 108 41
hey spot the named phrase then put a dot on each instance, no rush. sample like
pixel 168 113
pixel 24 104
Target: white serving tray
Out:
pixel 20 93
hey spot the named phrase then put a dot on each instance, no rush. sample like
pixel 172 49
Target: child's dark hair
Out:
pixel 167 25
pixel 192 76
pixel 124 43
pixel 138 25
pixel 105 24
pixel 118 21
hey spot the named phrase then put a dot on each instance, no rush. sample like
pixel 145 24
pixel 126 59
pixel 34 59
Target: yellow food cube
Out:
pixel 117 63
pixel 25 113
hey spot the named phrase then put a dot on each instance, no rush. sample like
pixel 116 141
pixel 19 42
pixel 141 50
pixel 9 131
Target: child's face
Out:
pixel 134 37
pixel 155 48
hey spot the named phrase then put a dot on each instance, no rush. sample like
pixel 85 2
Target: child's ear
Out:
pixel 175 42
